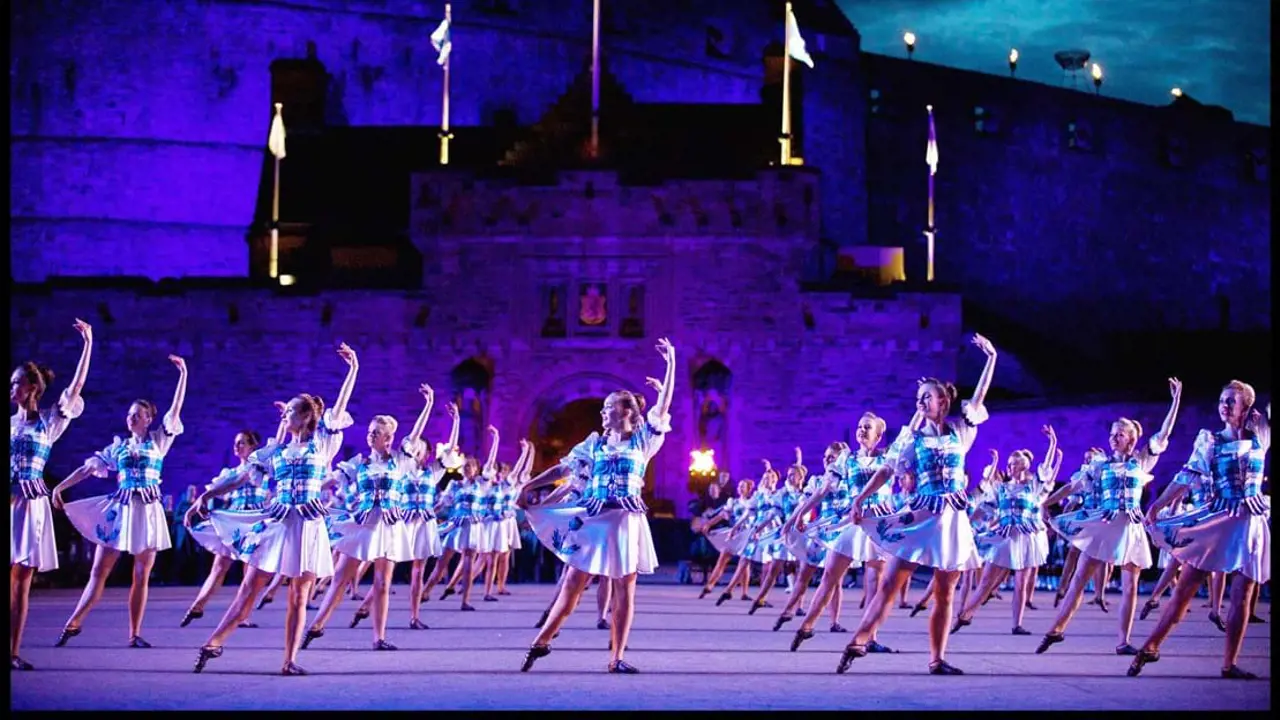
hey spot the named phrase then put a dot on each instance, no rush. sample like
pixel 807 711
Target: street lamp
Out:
pixel 910 39
pixel 1097 79
pixel 1176 92
pixel 1013 62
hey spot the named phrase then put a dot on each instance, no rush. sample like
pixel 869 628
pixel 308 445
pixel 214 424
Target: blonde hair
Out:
pixel 1031 458
pixel 1246 391
pixel 877 421
pixel 1132 426
pixel 385 422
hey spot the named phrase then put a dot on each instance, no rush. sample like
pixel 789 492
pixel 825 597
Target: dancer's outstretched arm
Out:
pixel 348 384
pixel 988 371
pixel 82 368
pixel 415 433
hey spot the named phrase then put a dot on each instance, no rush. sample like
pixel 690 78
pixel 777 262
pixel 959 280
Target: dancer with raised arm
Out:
pixel 131 519
pixel 934 530
pixel 786 501
pixel 606 533
pixel 517 476
pixel 847 475
pixel 376 532
pixel 248 496
pixel 289 536
pixel 1019 541
pixel 1230 534
pixel 1090 498
pixel 757 533
pixel 730 540
pixel 32 433
pixel 488 497
pixel 1113 533
pixel 465 537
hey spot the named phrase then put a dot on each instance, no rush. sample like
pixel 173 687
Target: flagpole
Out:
pixel 273 268
pixel 929 230
pixel 595 79
pixel 444 107
pixel 785 140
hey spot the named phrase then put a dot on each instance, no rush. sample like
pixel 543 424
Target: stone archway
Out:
pixel 566 411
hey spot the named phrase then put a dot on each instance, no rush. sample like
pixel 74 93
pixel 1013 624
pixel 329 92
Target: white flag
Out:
pixel 795 43
pixel 275 141
pixel 442 41
pixel 931 150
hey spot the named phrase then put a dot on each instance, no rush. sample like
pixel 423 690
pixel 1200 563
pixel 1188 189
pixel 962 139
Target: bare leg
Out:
pixel 991 578
pixel 1189 581
pixel 142 564
pixel 504 567
pixel 1068 572
pixel 1217 589
pixel 624 611
pixel 490 573
pixel 1024 586
pixel 928 594
pixel 455 578
pixel 104 561
pixel 897 573
pixel 714 576
pixel 217 574
pixel 276 581
pixel 295 616
pixel 837 602
pixel 604 596
pixel 342 575
pixel 1075 594
pixel 19 597
pixel 741 575
pixel 469 578
pixel 797 598
pixel 767 582
pixel 1128 601
pixel 355 582
pixel 1100 584
pixel 828 587
pixel 1238 620
pixel 415 589
pixel 940 618
pixel 442 564
pixel 241 606
pixel 1166 580
pixel 575 581
pixel 381 596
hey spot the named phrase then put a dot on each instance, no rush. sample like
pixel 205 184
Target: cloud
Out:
pixel 1218 51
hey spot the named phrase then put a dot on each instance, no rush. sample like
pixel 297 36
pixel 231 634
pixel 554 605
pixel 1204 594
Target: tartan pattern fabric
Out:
pixel 420 493
pixel 617 471
pixel 936 462
pixel 376 484
pixel 250 496
pixel 489 499
pixel 1225 473
pixel 137 464
pixel 29 448
pixel 859 470
pixel 299 477
pixel 465 506
pixel 1019 507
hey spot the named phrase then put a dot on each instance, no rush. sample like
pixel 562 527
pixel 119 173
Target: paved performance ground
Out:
pixel 692 655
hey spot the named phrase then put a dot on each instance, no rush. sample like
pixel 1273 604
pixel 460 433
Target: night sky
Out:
pixel 1217 51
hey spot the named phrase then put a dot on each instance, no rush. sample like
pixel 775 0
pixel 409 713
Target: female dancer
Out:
pixel 1166 562
pixel 1114 533
pixel 729 540
pixel 934 531
pixel 247 497
pixel 606 533
pixel 1088 500
pixel 466 537
pixel 787 499
pixel 376 532
pixel 489 490
pixel 1019 541
pixel 289 536
pixel 32 433
pixel 506 510
pixel 130 520
pixel 759 543
pixel 420 511
pixel 847 475
pixel 1231 534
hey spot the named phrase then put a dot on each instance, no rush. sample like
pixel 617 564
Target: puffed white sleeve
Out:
pixel 261 465
pixel 653 433
pixel 170 429
pixel 329 432
pixel 581 453
pixel 346 470
pixel 973 416
pixel 103 462
pixel 1199 466
pixel 58 417
pixel 898 456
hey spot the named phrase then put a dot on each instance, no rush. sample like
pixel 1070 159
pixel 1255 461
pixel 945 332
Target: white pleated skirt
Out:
pixel 723 540
pixel 424 538
pixel 1118 541
pixel 206 536
pixel 31 539
pixel 133 527
pixel 614 543
pixel 854 543
pixel 370 540
pixel 493 536
pixel 804 548
pixel 512 530
pixel 1015 551
pixel 1162 560
pixel 942 540
pixel 1218 541
pixel 292 547
pixel 465 535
